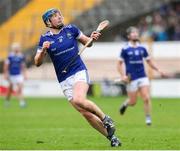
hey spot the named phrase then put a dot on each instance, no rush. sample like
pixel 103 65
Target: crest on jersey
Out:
pixel 142 52
pixel 69 35
pixel 60 39
pixel 137 52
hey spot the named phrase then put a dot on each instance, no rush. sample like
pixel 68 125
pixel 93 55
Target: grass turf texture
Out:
pixel 51 123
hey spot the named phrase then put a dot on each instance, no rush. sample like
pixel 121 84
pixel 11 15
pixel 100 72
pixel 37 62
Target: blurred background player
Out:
pixel 15 72
pixel 61 43
pixel 132 56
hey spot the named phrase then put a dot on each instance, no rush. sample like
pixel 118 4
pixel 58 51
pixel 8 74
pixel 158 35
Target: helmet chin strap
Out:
pixel 57 27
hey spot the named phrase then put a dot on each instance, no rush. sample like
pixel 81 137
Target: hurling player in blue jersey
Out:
pixel 132 56
pixel 15 72
pixel 61 44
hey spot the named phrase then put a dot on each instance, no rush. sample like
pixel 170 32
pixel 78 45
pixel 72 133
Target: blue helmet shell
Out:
pixel 48 14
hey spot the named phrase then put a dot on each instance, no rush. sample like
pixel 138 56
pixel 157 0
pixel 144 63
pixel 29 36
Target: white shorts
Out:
pixel 136 84
pixel 67 85
pixel 16 79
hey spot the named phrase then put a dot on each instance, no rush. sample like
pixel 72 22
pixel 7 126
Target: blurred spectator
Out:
pixel 176 35
pixel 163 24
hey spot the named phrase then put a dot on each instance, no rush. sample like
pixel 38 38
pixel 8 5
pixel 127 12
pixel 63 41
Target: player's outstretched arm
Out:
pixel 121 70
pixel 38 59
pixel 24 71
pixel 155 67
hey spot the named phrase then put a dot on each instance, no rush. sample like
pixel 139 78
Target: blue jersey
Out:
pixel 133 59
pixel 63 47
pixel 15 62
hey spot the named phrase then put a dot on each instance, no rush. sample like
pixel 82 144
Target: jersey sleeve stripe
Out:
pixel 121 59
pixel 79 36
pixel 147 58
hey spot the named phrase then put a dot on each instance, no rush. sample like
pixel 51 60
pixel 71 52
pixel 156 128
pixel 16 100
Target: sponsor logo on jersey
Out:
pixel 130 53
pixel 65 51
pixel 53 49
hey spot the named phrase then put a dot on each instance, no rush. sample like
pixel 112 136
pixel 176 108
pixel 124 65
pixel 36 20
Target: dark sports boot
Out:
pixel 115 141
pixel 122 109
pixel 109 125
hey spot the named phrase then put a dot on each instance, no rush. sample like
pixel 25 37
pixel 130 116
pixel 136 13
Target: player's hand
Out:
pixel 45 46
pixel 162 74
pixel 165 75
pixel 95 35
pixel 125 78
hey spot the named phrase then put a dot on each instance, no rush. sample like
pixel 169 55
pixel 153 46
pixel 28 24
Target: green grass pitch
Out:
pixel 53 124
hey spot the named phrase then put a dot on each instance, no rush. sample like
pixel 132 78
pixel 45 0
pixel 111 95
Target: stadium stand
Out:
pixel 8 9
pixel 118 12
pixel 148 15
pixel 26 25
pixel 160 27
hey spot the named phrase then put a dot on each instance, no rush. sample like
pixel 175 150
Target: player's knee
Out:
pixel 19 91
pixel 78 100
pixel 146 99
pixel 132 102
